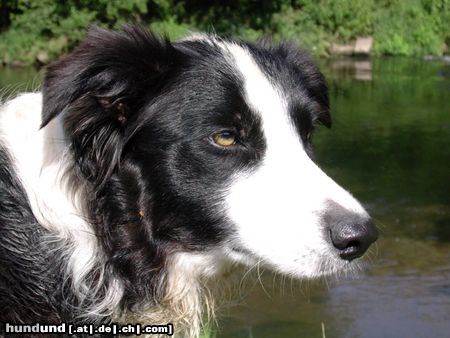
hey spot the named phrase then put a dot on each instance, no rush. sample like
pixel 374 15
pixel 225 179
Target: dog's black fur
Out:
pixel 30 277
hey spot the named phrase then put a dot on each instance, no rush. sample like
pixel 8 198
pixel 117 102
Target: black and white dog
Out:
pixel 146 166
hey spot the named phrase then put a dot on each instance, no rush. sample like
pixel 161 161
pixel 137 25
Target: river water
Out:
pixel 390 146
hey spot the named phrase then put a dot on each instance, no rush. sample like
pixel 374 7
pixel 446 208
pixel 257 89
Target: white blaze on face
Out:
pixel 277 208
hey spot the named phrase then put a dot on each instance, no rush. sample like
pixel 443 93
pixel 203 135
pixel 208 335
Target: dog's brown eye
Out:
pixel 224 138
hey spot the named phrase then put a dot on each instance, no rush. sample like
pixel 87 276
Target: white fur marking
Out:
pixel 277 208
pixel 40 158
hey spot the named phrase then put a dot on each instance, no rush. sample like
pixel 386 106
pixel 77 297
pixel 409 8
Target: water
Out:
pixel 16 80
pixel 390 146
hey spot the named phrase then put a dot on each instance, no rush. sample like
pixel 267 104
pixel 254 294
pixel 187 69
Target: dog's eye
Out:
pixel 224 138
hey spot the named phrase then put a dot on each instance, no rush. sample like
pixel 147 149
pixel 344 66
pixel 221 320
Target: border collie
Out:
pixel 145 167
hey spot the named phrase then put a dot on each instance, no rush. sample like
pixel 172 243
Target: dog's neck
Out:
pixel 42 162
pixel 39 157
pixel 187 300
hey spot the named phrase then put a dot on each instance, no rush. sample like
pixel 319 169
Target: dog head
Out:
pixel 204 145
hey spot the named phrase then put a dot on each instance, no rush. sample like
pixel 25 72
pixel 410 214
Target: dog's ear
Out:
pixel 310 76
pixel 100 86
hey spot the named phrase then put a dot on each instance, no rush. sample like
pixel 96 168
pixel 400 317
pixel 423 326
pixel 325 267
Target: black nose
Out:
pixel 353 237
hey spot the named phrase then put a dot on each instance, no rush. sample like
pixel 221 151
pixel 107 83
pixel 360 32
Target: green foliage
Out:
pixel 316 24
pixel 41 30
pixel 343 19
pixel 53 27
pixel 296 24
pixel 412 27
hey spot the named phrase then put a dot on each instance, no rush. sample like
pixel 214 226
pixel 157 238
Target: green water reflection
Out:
pixel 390 146
pixel 15 80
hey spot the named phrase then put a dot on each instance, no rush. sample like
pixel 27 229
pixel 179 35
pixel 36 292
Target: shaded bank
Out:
pixel 36 32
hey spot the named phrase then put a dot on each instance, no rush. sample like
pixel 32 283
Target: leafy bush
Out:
pixel 412 27
pixel 53 27
pixel 316 24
